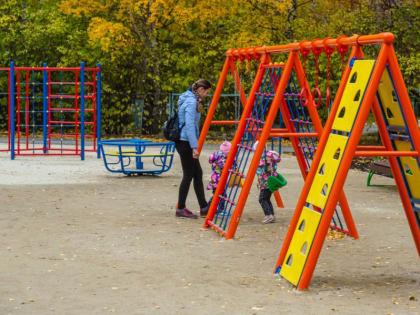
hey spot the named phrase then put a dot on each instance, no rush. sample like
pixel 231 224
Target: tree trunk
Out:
pixel 291 16
pixel 157 92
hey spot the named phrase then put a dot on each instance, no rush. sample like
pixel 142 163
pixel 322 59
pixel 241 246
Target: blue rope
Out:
pixel 295 124
pixel 302 114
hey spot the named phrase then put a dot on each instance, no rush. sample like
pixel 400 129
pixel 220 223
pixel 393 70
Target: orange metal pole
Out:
pixel 370 147
pixel 346 160
pixel 310 176
pixel 293 134
pixel 277 130
pixel 279 201
pixel 386 153
pixel 224 122
pixel 238 84
pixel 271 116
pixel 355 40
pixel 214 103
pixel 236 140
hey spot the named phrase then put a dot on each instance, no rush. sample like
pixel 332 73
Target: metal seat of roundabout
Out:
pixel 136 156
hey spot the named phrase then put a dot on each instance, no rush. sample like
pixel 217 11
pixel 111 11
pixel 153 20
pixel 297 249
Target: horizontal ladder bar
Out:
pixel 387 153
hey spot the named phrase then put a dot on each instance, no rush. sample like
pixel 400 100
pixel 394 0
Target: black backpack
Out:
pixel 171 129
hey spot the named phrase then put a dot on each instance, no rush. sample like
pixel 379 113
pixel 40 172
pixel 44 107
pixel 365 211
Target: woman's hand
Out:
pixel 195 154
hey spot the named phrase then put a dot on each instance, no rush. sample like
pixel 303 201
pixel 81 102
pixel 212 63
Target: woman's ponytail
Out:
pixel 205 84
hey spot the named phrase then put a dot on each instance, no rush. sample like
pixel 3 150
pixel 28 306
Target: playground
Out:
pixel 304 115
pixel 87 236
pixel 79 240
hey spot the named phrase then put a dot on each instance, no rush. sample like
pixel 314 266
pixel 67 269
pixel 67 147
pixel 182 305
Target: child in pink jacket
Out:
pixel 217 161
pixel 267 167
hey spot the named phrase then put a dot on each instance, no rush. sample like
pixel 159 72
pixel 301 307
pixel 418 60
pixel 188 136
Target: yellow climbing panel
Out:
pixel 307 227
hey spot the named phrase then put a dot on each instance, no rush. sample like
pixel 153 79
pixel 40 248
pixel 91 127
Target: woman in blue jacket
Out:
pixel 189 113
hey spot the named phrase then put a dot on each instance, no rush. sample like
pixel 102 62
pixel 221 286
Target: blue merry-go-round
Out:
pixel 136 156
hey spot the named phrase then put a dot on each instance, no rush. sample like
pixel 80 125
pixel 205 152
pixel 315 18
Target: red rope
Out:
pixel 304 52
pixel 316 92
pixel 328 52
pixel 316 51
pixel 342 50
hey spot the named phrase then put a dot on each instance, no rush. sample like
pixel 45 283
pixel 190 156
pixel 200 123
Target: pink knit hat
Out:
pixel 225 147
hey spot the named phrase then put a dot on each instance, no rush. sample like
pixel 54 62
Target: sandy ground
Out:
pixel 76 239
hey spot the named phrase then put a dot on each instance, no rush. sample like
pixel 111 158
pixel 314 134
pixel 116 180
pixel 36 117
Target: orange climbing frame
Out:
pixel 229 65
pixel 293 64
pixel 385 58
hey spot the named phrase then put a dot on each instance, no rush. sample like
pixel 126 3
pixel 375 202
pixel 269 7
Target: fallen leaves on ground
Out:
pixel 335 235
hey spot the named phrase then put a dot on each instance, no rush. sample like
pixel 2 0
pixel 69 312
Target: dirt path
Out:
pixel 78 240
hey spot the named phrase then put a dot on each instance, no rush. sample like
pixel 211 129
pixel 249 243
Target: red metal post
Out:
pixel 49 109
pixel 18 109
pixel 76 109
pixel 27 110
pixel 94 108
pixel 8 108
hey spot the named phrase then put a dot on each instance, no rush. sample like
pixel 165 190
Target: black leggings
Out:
pixel 265 195
pixel 191 169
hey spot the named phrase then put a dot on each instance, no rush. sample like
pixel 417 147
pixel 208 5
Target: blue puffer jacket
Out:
pixel 187 113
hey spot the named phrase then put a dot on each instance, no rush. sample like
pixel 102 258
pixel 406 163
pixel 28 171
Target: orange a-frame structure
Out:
pixel 366 85
pixel 229 66
pixel 274 89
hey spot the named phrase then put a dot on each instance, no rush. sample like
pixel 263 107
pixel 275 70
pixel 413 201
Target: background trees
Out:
pixel 149 48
